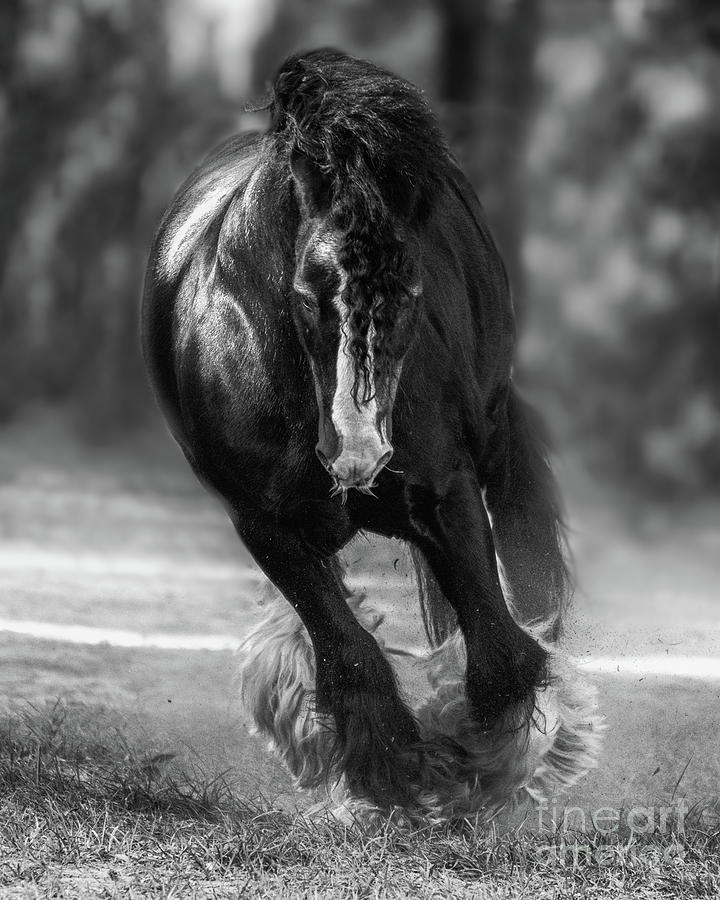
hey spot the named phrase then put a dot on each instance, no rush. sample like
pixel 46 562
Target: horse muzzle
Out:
pixel 358 463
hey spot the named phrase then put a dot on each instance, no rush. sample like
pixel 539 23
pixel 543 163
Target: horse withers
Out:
pixel 328 327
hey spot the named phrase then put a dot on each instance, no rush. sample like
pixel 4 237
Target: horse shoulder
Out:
pixel 202 200
pixel 199 343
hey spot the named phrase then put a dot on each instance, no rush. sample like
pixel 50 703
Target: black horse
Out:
pixel 328 327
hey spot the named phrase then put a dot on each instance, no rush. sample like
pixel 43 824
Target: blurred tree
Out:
pixel 625 242
pixel 279 40
pixel 399 35
pixel 89 107
pixel 488 84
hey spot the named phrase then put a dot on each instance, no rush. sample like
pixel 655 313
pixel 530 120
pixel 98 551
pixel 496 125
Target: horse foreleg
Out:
pixel 505 665
pixel 370 732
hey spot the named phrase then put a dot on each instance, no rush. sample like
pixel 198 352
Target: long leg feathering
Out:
pixel 277 686
pixel 468 772
pixel 277 683
pixel 471 773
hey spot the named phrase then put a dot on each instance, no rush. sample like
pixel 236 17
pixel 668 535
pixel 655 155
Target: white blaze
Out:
pixel 356 425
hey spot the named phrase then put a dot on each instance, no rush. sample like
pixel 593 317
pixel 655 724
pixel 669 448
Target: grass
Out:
pixel 85 814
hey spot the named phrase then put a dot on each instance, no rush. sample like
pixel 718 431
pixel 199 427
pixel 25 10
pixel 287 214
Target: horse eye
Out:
pixel 308 300
pixel 324 279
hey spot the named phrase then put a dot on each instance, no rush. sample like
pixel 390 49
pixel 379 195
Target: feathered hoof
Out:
pixel 474 775
pixel 467 773
pixel 533 753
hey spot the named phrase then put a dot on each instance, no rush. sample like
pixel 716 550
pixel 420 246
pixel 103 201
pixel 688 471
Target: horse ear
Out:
pixel 313 188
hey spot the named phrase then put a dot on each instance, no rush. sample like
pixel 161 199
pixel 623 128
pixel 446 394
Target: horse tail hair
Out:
pixel 528 529
pixel 438 616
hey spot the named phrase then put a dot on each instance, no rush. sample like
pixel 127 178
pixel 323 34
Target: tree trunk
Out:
pixel 488 87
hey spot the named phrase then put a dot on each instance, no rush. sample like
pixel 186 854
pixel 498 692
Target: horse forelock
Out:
pixel 378 266
pixel 343 112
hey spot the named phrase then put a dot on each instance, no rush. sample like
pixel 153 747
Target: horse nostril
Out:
pixel 384 460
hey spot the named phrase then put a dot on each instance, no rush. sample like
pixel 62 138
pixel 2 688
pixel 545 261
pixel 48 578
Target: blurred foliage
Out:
pixel 623 245
pixel 96 135
pixel 590 128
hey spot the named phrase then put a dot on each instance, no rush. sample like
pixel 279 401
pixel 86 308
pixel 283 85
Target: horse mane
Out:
pixel 378 146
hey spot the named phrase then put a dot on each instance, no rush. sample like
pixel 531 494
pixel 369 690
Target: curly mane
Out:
pixel 379 147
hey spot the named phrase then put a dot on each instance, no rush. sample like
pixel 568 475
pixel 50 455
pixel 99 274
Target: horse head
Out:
pixel 355 307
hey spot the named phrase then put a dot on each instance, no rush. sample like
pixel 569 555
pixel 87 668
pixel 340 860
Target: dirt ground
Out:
pixel 123 539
